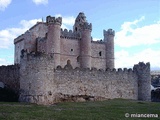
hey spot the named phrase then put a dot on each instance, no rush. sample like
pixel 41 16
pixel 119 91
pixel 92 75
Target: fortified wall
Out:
pixel 41 83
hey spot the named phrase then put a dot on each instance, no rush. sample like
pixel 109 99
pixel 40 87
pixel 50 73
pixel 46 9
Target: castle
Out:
pixel 60 65
pixel 75 47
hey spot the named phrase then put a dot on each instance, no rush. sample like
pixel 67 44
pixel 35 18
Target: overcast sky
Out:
pixel 136 23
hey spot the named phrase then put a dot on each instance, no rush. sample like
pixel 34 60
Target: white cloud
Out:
pixel 9 34
pixel 67 21
pixel 38 2
pixel 4 62
pixel 133 35
pixel 125 59
pixel 4 4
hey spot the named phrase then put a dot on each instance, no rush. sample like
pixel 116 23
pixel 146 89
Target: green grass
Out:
pixel 101 110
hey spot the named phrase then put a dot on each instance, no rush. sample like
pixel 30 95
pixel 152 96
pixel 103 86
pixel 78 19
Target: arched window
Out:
pixel 68 62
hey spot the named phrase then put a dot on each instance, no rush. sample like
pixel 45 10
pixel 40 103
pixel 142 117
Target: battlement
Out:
pixel 87 25
pixel 109 32
pixel 41 56
pixel 35 55
pixel 107 71
pixel 69 34
pixel 141 67
pixel 50 20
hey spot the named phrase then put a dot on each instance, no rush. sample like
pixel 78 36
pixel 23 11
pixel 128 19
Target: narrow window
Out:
pixel 78 59
pixel 71 50
pixel 46 35
pixel 76 29
pixel 100 53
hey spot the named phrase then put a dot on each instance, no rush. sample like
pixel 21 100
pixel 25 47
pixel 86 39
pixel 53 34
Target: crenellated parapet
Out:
pixel 109 32
pixel 54 20
pixel 87 25
pixel 35 55
pixel 69 34
pixel 118 71
pixel 142 68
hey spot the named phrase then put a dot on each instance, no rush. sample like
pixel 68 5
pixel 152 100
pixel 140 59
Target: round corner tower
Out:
pixel 53 38
pixel 85 46
pixel 142 71
pixel 109 41
pixel 83 28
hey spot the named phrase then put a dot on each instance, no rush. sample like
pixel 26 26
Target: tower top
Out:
pixel 109 32
pixel 53 20
pixel 81 18
pixel 81 23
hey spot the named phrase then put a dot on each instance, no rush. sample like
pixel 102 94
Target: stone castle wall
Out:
pixel 28 40
pixel 98 55
pixel 9 75
pixel 36 79
pixel 70 50
pixel 42 84
pixel 144 80
pixel 95 84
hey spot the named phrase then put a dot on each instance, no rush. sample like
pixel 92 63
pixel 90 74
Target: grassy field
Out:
pixel 102 110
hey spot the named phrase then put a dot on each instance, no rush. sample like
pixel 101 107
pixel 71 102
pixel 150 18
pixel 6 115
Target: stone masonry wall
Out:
pixel 81 84
pixel 36 78
pixel 42 84
pixel 144 80
pixel 98 59
pixel 70 50
pixel 9 75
